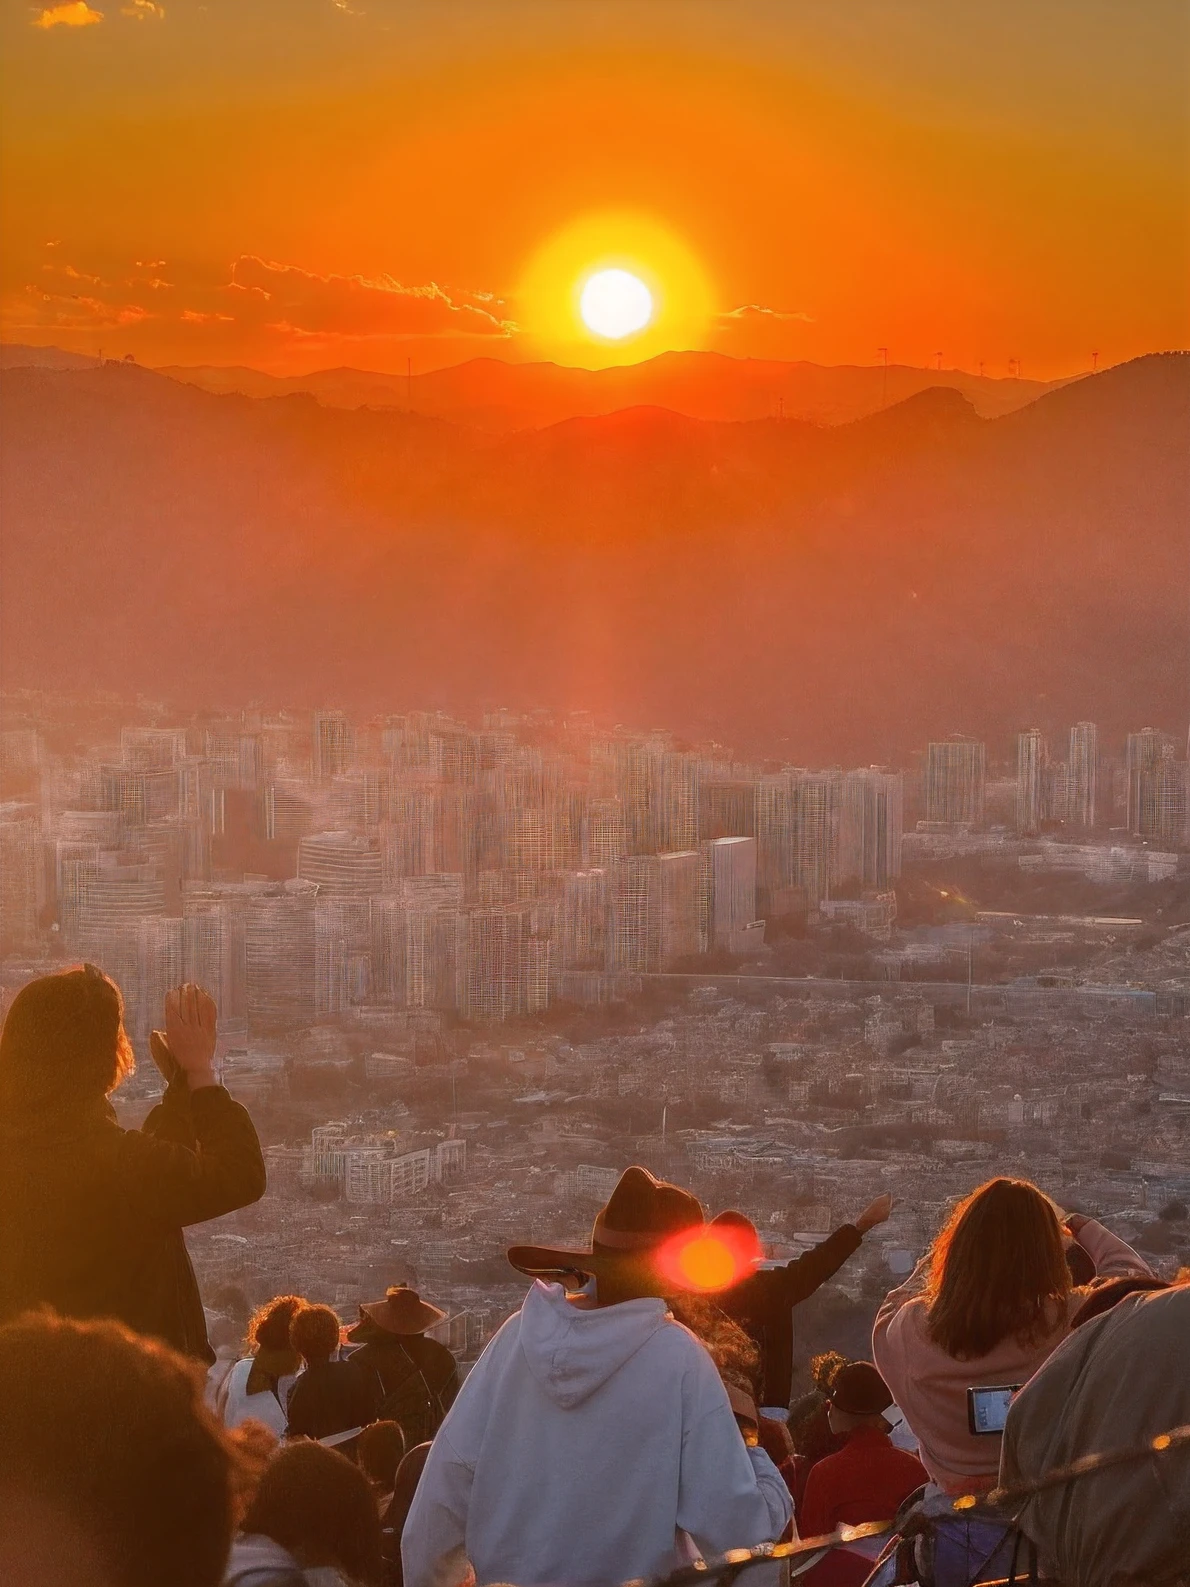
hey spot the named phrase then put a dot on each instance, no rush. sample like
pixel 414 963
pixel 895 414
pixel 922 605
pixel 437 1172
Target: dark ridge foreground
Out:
pixel 839 592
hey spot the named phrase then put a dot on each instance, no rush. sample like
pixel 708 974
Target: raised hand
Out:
pixel 876 1212
pixel 190 1032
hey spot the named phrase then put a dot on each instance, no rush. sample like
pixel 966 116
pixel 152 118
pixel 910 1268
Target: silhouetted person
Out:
pixel 379 1452
pixel 258 1385
pixel 93 1214
pixel 394 1518
pixel 985 1308
pixel 419 1376
pixel 113 1473
pixel 312 1523
pixel 331 1400
pixel 763 1302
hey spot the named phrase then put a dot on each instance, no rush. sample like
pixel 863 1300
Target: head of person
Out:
pixel 859 1398
pixel 268 1327
pixel 113 1473
pixel 644 1222
pixel 314 1334
pixel 379 1451
pixel 317 1505
pixel 998 1270
pixel 63 1046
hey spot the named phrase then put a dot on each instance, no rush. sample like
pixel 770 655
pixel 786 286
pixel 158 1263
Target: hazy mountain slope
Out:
pixel 851 590
pixel 493 395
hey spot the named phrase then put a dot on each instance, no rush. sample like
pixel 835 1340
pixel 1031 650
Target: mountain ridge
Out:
pixel 843 591
pixel 499 396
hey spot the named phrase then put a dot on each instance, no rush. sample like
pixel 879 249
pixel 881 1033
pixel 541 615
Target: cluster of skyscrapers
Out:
pixel 1146 793
pixel 305 868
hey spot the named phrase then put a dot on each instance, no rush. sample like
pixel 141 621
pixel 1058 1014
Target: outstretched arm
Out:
pixel 807 1273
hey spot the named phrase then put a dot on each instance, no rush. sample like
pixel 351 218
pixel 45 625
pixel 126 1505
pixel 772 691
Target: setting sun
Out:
pixel 615 304
pixel 614 288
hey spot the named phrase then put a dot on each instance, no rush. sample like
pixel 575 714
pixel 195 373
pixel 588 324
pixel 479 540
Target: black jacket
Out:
pixel 419 1378
pixel 91 1215
pixel 332 1397
pixel 763 1305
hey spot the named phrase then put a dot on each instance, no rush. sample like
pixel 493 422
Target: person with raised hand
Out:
pixel 763 1302
pixel 93 1214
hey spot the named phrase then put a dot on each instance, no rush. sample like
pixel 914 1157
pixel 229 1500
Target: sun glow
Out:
pixel 615 304
pixel 612 289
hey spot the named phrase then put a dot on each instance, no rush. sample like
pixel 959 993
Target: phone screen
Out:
pixel 987 1409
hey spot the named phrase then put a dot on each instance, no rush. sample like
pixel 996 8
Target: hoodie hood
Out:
pixel 572 1350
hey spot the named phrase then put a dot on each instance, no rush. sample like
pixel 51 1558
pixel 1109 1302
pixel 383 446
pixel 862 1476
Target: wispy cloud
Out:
pixel 258 301
pixel 76 15
pixel 353 305
pixel 143 11
pixel 758 311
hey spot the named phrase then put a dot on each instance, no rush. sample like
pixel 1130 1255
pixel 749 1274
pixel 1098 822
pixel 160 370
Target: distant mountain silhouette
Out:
pixel 491 394
pixel 839 592
pixel 15 355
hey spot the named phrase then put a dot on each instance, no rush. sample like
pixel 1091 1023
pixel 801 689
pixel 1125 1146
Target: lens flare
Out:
pixel 705 1260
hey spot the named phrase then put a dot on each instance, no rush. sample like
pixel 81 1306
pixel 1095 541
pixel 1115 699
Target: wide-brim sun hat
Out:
pixel 402 1311
pixel 642 1215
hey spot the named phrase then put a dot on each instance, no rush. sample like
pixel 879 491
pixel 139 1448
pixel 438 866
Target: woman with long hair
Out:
pixel 984 1308
pixel 92 1214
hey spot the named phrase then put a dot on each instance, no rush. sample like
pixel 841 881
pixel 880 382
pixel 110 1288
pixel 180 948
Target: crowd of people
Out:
pixel 632 1415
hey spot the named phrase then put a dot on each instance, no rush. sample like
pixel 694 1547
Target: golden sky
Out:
pixel 297 184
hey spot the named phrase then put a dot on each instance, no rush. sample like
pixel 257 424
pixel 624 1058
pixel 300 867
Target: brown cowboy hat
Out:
pixel 402 1311
pixel 642 1213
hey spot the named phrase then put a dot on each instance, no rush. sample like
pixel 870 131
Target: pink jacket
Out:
pixel 931 1387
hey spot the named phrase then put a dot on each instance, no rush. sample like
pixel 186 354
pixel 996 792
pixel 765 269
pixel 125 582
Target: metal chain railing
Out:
pixel 1000 1504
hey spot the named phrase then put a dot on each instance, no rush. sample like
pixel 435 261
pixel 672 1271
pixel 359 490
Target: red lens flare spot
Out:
pixel 705 1261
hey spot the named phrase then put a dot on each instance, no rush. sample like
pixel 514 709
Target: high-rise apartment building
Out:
pixel 20 875
pixel 583 921
pixel 731 925
pixel 333 745
pixel 956 779
pixel 870 825
pixel 1082 780
pixel 655 910
pixel 1144 754
pixel 1032 772
pixel 492 964
pixel 279 955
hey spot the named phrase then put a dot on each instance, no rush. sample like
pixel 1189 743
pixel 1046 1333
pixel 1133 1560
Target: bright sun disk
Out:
pixel 615 304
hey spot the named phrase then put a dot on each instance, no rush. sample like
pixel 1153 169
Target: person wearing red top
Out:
pixel 868 1479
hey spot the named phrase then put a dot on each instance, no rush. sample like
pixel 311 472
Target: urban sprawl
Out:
pixel 467 974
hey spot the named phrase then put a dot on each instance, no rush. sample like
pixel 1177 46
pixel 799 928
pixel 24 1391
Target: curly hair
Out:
pixel 268 1327
pixel 734 1353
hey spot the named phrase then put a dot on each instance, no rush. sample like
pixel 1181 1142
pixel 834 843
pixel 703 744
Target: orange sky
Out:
pixel 301 183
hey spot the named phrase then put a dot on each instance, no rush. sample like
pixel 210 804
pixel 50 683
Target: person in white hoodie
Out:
pixel 593 1441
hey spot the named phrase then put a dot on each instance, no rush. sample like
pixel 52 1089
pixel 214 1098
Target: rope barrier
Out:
pixel 989 1506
